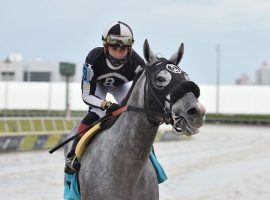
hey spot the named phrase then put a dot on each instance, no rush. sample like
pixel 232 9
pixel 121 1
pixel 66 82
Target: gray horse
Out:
pixel 116 165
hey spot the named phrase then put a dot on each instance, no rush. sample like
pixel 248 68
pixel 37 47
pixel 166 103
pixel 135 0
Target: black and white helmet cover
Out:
pixel 117 34
pixel 120 29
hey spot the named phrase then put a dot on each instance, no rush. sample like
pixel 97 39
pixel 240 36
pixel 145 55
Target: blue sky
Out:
pixel 65 30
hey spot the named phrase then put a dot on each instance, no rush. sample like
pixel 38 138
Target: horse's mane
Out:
pixel 137 76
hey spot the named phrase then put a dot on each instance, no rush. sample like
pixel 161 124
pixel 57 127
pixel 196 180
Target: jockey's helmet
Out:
pixel 117 34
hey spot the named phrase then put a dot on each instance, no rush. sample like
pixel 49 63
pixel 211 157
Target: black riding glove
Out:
pixel 111 107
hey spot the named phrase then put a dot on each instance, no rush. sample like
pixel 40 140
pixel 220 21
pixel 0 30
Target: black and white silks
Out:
pixel 100 77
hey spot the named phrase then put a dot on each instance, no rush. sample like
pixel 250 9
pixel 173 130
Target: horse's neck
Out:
pixel 136 130
pixel 136 133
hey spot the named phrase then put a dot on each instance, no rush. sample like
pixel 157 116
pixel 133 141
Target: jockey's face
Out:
pixel 117 51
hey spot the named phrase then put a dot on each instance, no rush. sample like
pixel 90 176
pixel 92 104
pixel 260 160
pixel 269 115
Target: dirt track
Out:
pixel 220 163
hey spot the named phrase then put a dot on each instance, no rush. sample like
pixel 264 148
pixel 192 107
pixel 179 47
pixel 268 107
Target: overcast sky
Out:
pixel 66 30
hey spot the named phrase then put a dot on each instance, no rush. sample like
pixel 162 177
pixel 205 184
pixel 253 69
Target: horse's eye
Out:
pixel 161 79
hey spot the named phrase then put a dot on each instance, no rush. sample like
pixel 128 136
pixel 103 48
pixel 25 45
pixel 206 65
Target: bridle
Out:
pixel 168 116
pixel 163 114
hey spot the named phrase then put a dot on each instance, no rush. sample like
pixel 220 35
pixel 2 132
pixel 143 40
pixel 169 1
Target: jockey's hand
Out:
pixel 111 107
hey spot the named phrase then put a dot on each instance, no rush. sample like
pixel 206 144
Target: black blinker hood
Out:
pixel 181 89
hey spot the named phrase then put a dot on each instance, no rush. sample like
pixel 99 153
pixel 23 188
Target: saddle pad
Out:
pixel 161 176
pixel 85 140
pixel 71 187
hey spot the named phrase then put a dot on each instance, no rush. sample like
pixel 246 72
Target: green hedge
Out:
pixel 237 118
pixel 210 118
pixel 39 113
pixel 14 126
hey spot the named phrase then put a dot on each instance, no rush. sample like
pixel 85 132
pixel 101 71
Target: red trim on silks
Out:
pixel 82 128
pixel 119 111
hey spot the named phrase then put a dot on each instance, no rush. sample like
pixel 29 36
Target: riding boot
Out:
pixel 72 164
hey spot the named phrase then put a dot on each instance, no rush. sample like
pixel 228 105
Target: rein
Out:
pixel 135 109
pixel 165 114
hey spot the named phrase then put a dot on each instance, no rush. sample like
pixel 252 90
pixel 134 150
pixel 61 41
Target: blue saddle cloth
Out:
pixel 161 176
pixel 71 186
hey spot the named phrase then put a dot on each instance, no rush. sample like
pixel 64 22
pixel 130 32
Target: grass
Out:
pixel 2 128
pixel 12 126
pixel 238 118
pixel 39 113
pixel 70 125
pixel 40 125
pixel 59 125
pixel 48 125
pixel 25 125
pixel 37 125
pixel 50 121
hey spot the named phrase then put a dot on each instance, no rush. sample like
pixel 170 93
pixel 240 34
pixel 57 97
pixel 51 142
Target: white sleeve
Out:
pixel 88 98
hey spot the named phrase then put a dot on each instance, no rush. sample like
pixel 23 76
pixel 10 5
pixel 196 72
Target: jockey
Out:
pixel 107 69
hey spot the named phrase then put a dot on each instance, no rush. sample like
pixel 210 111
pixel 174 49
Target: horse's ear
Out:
pixel 149 55
pixel 176 58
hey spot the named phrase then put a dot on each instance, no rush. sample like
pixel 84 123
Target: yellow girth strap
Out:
pixel 85 139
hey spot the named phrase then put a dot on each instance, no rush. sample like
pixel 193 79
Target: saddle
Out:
pixel 86 138
pixel 89 135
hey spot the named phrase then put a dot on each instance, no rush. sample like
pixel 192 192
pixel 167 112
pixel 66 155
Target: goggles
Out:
pixel 113 40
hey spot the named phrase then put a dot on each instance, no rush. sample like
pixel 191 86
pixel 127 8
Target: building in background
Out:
pixel 243 80
pixel 263 75
pixel 14 68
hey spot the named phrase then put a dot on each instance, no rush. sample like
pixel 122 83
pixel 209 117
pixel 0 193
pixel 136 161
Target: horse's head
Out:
pixel 170 92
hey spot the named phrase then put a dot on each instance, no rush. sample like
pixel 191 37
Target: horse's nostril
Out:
pixel 192 111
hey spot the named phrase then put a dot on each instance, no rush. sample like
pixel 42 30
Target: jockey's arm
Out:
pixel 88 86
